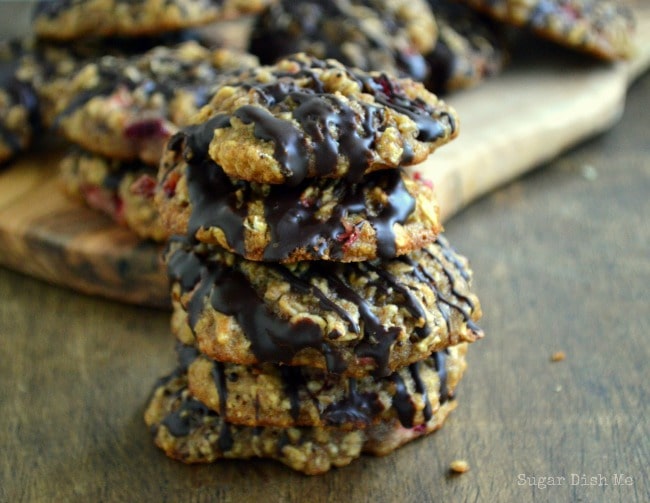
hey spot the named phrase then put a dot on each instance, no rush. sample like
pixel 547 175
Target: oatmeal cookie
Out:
pixel 187 430
pixel 354 318
pixel 72 19
pixel 386 214
pixel 306 117
pixel 386 35
pixel 122 190
pixel 285 396
pixel 469 48
pixel 128 107
pixel 603 28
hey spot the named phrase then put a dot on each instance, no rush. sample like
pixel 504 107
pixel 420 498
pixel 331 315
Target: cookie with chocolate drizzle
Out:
pixel 354 319
pixel 602 28
pixel 305 117
pixel 73 19
pixel 386 35
pixel 122 190
pixel 187 430
pixel 128 107
pixel 385 215
pixel 285 396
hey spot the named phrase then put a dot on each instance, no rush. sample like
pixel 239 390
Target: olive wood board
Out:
pixel 547 100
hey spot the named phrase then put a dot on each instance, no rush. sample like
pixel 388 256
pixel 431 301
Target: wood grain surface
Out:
pixel 561 264
pixel 546 101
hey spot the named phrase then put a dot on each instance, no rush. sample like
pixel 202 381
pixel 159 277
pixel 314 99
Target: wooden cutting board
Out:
pixel 546 101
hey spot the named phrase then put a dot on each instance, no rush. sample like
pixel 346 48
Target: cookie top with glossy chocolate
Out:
pixel 305 117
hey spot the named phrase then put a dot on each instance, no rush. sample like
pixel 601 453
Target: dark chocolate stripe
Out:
pixel 356 408
pixel 230 292
pixel 293 219
pixel 293 382
pixel 412 304
pixel 440 361
pixel 225 440
pixel 319 113
pixel 442 300
pixel 187 417
pixel 274 339
pixel 402 402
pixel 377 339
pixel 301 285
pixel 295 223
pixel 414 370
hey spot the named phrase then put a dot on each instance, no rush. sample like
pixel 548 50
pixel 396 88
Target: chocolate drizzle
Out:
pixel 225 441
pixel 356 408
pixel 440 360
pixel 410 302
pixel 290 149
pixel 324 129
pixel 274 339
pixel 431 125
pixel 328 128
pixel 293 381
pixel 414 370
pixel 291 213
pixel 378 339
pixel 187 417
pixel 402 402
pixel 294 223
pixel 445 303
pixel 453 288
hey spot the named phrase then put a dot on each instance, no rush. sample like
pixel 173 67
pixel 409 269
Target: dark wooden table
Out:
pixel 561 260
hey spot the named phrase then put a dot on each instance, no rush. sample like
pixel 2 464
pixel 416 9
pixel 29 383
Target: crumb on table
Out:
pixel 558 356
pixel 459 466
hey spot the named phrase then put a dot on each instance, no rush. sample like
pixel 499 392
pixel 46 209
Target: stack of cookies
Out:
pixel 319 312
